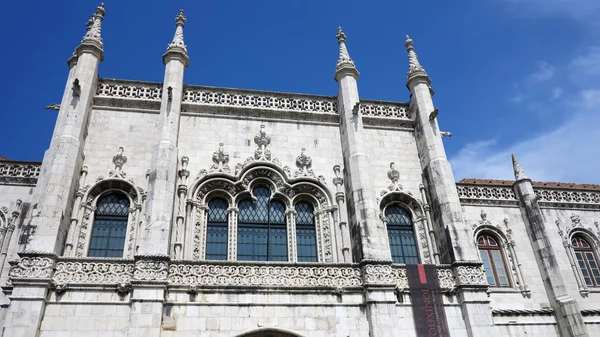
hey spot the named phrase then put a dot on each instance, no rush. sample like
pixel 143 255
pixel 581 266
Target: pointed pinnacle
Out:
pixel 180 19
pixel 341 36
pixel 519 173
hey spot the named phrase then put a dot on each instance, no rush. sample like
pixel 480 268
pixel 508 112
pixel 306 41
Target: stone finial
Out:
pixel 344 60
pixel 177 44
pixel 414 67
pixel 119 159
pixel 262 140
pixel 575 220
pixel 94 27
pixel 220 159
pixel 483 215
pixel 519 173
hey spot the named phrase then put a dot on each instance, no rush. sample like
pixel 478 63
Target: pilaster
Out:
pixel 62 162
pixel 369 234
pixel 568 315
pixel 163 172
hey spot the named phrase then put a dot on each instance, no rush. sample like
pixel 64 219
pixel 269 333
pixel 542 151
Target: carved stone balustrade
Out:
pixel 19 172
pixel 63 273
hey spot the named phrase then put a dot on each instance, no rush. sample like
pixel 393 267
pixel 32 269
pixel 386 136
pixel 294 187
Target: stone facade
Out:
pixel 171 148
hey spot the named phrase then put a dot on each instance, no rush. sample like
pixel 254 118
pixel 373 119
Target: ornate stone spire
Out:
pixel 94 28
pixel 177 42
pixel 519 173
pixel 414 67
pixel 344 60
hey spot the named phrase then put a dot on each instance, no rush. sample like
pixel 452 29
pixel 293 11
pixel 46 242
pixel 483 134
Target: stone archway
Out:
pixel 269 333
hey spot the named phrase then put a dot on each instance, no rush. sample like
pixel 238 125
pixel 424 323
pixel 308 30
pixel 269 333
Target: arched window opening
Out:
pixel 306 236
pixel 401 235
pixel 262 233
pixel 216 230
pixel 586 258
pixel 493 261
pixel 110 226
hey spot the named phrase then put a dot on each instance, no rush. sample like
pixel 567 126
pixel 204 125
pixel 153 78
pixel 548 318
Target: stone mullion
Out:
pixel 291 234
pixel 232 233
pixel 189 229
pixel 200 231
pixel 319 232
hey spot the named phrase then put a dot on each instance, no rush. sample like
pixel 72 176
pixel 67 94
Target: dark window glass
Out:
pixel 216 230
pixel 262 233
pixel 586 259
pixel 493 261
pixel 110 226
pixel 401 235
pixel 306 237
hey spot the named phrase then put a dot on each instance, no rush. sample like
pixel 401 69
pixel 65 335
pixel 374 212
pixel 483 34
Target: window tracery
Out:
pixel 216 230
pixel 401 235
pixel 110 226
pixel 273 213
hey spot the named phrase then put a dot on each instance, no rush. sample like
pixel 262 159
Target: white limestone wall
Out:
pixel 10 193
pixel 200 136
pixel 588 217
pixel 398 146
pixel 110 129
pixel 512 298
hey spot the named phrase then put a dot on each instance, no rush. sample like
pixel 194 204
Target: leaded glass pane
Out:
pixel 262 234
pixel 401 236
pixel 216 231
pixel 487 267
pixel 306 238
pixel 110 226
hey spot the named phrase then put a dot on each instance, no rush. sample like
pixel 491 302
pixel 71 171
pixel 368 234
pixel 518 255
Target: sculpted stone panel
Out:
pixel 141 91
pixel 32 268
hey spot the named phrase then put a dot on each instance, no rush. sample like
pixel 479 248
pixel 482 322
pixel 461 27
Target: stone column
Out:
pixel 57 182
pixel 566 309
pixel 163 173
pixel 343 231
pixel 369 235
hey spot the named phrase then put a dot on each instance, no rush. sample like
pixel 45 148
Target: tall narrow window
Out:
pixel 586 258
pixel 401 235
pixel 110 226
pixel 306 237
pixel 216 230
pixel 262 233
pixel 493 261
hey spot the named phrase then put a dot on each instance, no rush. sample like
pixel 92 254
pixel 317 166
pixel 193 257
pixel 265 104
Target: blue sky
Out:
pixel 510 76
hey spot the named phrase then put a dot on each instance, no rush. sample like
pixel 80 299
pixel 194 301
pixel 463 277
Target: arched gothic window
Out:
pixel 493 261
pixel 262 233
pixel 306 236
pixel 401 235
pixel 587 261
pixel 216 232
pixel 110 226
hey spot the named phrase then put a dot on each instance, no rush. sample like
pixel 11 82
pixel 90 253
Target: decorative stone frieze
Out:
pixel 93 272
pixel 32 267
pixel 469 275
pixel 206 274
pixel 152 269
pixel 383 109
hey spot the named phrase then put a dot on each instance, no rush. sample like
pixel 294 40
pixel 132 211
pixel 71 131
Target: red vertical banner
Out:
pixel 427 301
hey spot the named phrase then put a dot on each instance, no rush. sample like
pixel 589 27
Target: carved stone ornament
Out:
pixel 262 140
pixel 76 88
pixel 153 270
pixel 470 276
pixel 93 272
pixel 124 288
pixel 94 27
pixel 414 67
pixel 394 176
pixel 31 268
pixel 119 159
pixel 304 163
pixel 338 180
pixel 54 107
pixel 184 173
pixel 59 288
pixel 221 160
pixel 484 220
